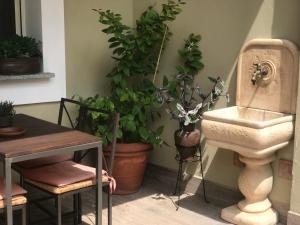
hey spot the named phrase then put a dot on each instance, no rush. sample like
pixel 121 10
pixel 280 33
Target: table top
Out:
pixel 41 136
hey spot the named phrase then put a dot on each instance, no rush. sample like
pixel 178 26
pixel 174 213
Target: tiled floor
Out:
pixel 152 205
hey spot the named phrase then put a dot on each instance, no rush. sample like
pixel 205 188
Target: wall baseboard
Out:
pixel 217 194
pixel 293 218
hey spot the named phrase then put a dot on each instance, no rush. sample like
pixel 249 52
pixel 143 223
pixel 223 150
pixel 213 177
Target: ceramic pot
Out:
pixel 129 166
pixel 6 121
pixel 187 140
pixel 20 66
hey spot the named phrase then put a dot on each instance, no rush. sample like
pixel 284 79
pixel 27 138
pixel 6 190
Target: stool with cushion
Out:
pixel 19 199
pixel 63 177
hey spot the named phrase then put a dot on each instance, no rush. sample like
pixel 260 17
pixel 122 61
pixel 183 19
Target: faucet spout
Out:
pixel 253 79
pixel 259 72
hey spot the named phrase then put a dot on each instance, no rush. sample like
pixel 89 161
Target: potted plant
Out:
pixel 133 93
pixel 7 113
pixel 19 55
pixel 189 101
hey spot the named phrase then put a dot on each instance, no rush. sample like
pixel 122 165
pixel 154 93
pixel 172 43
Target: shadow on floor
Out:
pixel 196 204
pixel 152 205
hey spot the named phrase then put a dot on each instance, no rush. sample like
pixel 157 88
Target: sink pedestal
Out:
pixel 255 182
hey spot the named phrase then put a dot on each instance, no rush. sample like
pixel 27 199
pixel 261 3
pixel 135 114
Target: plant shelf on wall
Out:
pixel 41 75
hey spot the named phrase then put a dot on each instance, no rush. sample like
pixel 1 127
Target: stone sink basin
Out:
pixel 253 133
pixel 261 123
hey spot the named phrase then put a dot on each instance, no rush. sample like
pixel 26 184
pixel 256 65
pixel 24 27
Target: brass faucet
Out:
pixel 259 72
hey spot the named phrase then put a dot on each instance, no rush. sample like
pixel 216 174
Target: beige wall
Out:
pixel 225 26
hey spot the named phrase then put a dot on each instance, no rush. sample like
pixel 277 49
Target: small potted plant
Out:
pixel 190 101
pixel 20 55
pixel 7 113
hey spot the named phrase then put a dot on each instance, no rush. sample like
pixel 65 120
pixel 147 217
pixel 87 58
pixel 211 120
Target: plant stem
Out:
pixel 191 97
pixel 159 55
pixel 204 103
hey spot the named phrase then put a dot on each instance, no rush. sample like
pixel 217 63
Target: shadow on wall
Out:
pixel 286 20
pixel 224 26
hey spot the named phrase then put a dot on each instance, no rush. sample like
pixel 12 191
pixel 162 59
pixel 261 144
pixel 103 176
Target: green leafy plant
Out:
pixel 7 109
pixel 190 101
pixel 137 53
pixel 19 46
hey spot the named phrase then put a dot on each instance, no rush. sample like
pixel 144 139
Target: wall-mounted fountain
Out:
pixel 261 123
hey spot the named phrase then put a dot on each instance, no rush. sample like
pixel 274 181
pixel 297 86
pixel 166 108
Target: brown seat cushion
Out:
pixel 44 161
pixel 16 189
pixel 70 187
pixel 17 200
pixel 60 174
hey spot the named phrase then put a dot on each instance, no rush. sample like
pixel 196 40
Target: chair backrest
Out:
pixel 80 122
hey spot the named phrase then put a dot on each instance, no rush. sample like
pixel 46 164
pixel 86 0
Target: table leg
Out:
pixel 99 186
pixel 8 197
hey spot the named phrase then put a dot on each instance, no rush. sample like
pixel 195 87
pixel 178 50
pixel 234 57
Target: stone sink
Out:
pixel 261 123
pixel 254 133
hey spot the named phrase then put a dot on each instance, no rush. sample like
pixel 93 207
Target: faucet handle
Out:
pixel 264 71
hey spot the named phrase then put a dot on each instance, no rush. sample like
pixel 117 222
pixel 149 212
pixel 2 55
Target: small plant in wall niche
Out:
pixel 137 53
pixel 20 55
pixel 7 113
pixel 184 98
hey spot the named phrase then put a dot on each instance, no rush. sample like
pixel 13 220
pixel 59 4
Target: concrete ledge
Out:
pixel 27 76
pixel 293 218
pixel 217 194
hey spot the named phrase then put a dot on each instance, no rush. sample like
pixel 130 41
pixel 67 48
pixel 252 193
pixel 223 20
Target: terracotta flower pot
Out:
pixel 187 142
pixel 20 66
pixel 129 166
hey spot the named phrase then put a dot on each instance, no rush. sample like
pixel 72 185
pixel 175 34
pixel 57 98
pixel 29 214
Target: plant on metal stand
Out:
pixel 189 100
pixel 186 103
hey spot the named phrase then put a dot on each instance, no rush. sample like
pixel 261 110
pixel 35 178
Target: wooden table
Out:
pixel 43 139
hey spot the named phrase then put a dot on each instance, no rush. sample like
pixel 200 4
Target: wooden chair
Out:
pixel 63 175
pixel 19 199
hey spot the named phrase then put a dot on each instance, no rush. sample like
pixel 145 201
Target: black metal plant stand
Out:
pixel 195 158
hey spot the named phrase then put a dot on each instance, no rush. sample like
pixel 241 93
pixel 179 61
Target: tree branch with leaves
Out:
pixel 137 52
